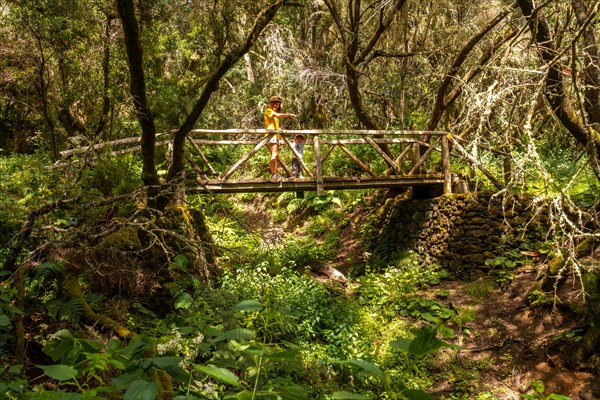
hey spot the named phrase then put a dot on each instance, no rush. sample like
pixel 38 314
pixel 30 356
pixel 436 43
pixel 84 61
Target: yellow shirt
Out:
pixel 271 121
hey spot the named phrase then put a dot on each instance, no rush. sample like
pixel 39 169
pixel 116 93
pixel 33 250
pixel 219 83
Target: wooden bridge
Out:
pixel 373 159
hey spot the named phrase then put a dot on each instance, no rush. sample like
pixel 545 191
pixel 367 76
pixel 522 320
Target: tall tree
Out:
pixel 224 64
pixel 224 59
pixel 451 86
pixel 360 28
pixel 133 45
pixel 558 99
pixel 591 63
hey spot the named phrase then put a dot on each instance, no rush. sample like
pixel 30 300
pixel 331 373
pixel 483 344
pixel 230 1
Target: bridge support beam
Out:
pixel 318 165
pixel 446 165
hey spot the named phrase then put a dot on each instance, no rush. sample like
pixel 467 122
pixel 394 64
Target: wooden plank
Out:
pixel 367 132
pixel 418 164
pixel 401 158
pixel 202 156
pixel 283 165
pixel 208 142
pixel 247 156
pixel 300 158
pixel 356 160
pixel 387 159
pixel 319 166
pixel 327 153
pixel 474 162
pixel 446 166
pixel 310 184
pixel 370 140
pixel 98 146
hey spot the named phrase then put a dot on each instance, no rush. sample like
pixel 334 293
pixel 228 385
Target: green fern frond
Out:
pixel 70 310
pixel 47 271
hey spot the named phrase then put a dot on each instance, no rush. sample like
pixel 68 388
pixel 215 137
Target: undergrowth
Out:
pixel 266 329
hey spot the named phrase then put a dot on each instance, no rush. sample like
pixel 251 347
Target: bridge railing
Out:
pixel 404 154
pixel 383 159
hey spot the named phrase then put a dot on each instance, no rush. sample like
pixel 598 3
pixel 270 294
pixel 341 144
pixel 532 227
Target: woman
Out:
pixel 272 115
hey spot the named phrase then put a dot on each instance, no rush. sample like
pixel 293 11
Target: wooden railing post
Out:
pixel 446 165
pixel 318 165
pixel 247 156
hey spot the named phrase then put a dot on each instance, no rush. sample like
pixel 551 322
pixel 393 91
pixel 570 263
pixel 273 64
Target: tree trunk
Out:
pixel 591 64
pixel 106 103
pixel 355 54
pixel 133 45
pixel 442 100
pixel 228 61
pixel 554 90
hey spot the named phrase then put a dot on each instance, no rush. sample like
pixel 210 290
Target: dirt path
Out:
pixel 511 343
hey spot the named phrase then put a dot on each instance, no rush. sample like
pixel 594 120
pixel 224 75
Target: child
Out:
pixel 299 147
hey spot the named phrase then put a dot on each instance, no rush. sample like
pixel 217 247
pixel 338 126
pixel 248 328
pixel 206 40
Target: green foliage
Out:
pixel 539 298
pixel 24 184
pixel 326 205
pixel 503 267
pixel 539 389
pixel 69 310
pixel 7 312
pixel 573 336
pixel 113 176
pixel 423 343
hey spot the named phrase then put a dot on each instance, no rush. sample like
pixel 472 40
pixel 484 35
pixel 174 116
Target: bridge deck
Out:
pixel 310 184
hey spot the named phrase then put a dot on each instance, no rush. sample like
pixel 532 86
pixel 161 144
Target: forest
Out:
pixel 120 279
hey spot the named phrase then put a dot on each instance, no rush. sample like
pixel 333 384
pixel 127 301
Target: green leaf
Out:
pixel 294 392
pixel 238 334
pixel 90 346
pixel 248 305
pixel 183 300
pixel 412 394
pixel 430 318
pixel 243 395
pixel 164 362
pixel 141 390
pixel 401 344
pixel 425 342
pixel 343 395
pixel 61 343
pixel 188 397
pixel 4 321
pixel 180 261
pixel 538 386
pixel 289 354
pixel 125 380
pixel 59 372
pixel 118 364
pixel 554 396
pixel 137 345
pixel 222 374
pixel 366 367
pixel 15 369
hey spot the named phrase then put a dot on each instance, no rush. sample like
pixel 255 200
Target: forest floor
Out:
pixel 510 342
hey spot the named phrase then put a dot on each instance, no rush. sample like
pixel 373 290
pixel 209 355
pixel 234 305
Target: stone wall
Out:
pixel 459 232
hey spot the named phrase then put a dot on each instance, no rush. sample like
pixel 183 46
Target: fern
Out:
pixel 70 310
pixel 47 271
